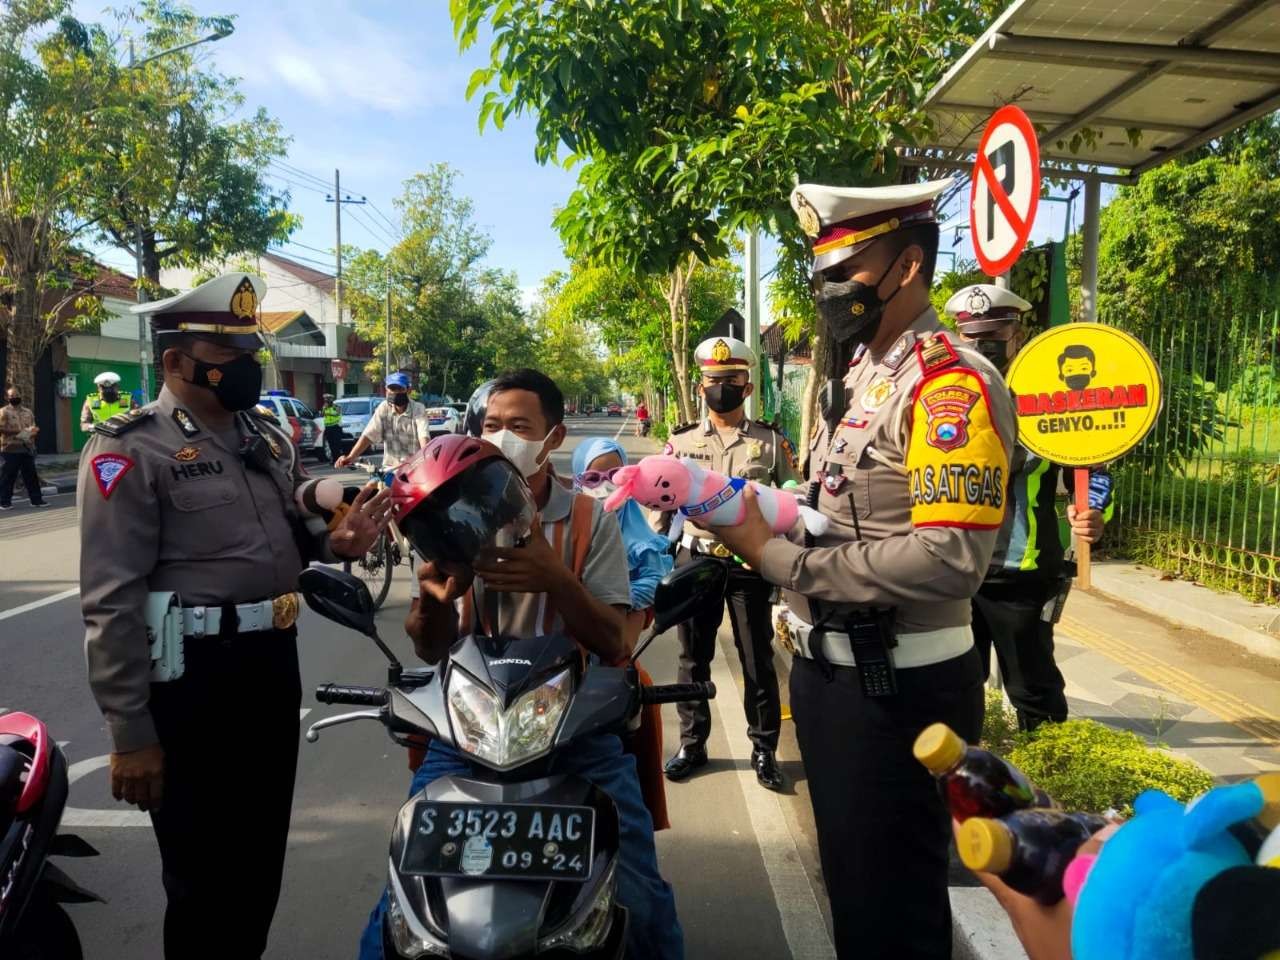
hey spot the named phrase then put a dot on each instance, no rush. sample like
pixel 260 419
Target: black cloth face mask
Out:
pixel 110 394
pixel 852 310
pixel 997 351
pixel 400 400
pixel 237 383
pixel 15 401
pixel 725 397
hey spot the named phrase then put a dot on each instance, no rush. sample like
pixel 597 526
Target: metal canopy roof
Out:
pixel 1152 78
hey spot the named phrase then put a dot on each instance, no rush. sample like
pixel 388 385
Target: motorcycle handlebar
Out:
pixel 359 696
pixel 677 693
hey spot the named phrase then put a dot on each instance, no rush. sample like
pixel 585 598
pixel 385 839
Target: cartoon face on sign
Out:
pixel 1076 366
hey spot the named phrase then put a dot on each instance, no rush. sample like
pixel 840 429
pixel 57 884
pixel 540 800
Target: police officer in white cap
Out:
pixel 731 443
pixel 191 546
pixel 909 465
pixel 106 402
pixel 1029 574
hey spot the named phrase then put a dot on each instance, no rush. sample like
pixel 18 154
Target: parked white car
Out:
pixel 445 418
pixel 290 410
pixel 356 412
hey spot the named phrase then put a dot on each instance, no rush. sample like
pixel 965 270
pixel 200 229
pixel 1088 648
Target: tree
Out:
pixel 173 173
pixel 692 119
pixel 454 322
pixel 53 99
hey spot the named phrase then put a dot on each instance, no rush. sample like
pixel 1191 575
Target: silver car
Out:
pixel 356 412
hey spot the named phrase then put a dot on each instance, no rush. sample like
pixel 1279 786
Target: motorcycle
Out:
pixel 642 428
pixel 515 861
pixel 33 793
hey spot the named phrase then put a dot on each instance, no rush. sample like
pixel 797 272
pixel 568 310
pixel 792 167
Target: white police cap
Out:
pixel 984 307
pixel 107 379
pixel 725 355
pixel 224 309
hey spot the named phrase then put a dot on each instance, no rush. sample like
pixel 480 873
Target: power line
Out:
pixel 299 172
pixel 395 229
pixel 296 243
pixel 371 227
pixel 293 183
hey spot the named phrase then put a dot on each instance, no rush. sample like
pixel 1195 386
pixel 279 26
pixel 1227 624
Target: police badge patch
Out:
pixel 948 412
pixel 109 469
pixel 881 389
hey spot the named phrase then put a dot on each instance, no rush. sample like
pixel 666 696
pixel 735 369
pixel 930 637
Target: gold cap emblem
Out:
pixel 857 309
pixel 244 302
pixel 721 352
pixel 187 454
pixel 810 223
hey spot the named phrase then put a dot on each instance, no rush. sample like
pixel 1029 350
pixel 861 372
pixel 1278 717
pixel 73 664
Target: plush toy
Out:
pixel 679 484
pixel 1136 899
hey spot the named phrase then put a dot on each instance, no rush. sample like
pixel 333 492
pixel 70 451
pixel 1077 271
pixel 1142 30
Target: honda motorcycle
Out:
pixel 33 793
pixel 514 861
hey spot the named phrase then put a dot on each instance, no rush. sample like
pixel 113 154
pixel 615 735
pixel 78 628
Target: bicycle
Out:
pixel 378 564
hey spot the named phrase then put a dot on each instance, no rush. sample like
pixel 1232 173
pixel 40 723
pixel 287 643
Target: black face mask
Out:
pixel 237 383
pixel 997 351
pixel 1077 381
pixel 725 397
pixel 110 394
pixel 15 401
pixel 852 310
pixel 400 400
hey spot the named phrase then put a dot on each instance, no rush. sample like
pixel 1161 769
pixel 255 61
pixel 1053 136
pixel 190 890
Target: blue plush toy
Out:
pixel 1136 899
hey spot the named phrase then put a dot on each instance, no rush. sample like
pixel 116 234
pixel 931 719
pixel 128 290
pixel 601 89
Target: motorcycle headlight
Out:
pixel 505 738
pixel 588 929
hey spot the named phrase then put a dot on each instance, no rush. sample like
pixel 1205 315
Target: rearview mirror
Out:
pixel 340 597
pixel 685 589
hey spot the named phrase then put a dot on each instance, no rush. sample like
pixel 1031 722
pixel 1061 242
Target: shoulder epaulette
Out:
pixel 683 427
pixel 122 423
pixel 935 352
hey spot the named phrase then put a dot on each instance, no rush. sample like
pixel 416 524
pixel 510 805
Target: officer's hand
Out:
pixel 1086 524
pixel 749 537
pixel 137 777
pixel 361 525
pixel 532 568
pixel 342 461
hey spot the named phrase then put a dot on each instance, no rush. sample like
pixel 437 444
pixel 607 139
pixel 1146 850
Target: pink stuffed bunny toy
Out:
pixel 678 484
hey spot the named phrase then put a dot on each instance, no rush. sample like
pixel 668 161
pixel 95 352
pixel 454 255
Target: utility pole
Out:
pixel 751 301
pixel 338 200
pixel 386 370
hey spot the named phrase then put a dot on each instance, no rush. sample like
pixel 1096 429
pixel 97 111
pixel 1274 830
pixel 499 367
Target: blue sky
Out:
pixel 376 89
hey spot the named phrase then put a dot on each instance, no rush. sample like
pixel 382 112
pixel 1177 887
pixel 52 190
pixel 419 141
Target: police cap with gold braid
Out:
pixel 224 310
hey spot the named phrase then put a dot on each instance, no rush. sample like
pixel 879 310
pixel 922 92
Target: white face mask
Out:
pixel 523 453
pixel 601 492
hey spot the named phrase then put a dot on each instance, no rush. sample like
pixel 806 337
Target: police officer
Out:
pixel 911 465
pixel 192 500
pixel 1018 603
pixel 332 429
pixel 730 443
pixel 106 402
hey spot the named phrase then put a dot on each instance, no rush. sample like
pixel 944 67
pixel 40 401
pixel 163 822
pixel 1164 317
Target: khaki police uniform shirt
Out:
pixel 168 505
pixel 605 574
pixel 923 458
pixel 755 451
pixel 17 423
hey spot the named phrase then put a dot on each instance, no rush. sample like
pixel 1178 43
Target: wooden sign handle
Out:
pixel 1083 578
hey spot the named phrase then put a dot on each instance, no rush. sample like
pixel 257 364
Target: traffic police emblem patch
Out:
pixel 948 412
pixel 187 454
pixel 108 470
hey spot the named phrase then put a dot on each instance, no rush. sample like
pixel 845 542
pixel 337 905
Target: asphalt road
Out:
pixel 741 859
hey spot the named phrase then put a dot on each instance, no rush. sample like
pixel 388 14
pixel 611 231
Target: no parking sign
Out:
pixel 1005 190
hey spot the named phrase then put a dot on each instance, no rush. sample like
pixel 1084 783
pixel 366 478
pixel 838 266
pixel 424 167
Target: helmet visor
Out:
pixel 487 506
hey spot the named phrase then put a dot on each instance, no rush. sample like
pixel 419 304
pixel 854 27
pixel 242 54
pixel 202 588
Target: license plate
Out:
pixel 516 841
pixel 436 421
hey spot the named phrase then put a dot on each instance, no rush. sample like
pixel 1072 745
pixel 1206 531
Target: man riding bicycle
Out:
pixel 400 425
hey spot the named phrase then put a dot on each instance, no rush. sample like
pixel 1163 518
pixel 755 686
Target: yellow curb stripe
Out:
pixel 1249 717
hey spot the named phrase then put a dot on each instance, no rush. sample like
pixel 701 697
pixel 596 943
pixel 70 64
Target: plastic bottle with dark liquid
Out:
pixel 975 782
pixel 1029 849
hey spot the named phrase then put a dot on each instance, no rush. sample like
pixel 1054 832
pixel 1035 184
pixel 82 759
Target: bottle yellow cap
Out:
pixel 1269 784
pixel 939 748
pixel 985 845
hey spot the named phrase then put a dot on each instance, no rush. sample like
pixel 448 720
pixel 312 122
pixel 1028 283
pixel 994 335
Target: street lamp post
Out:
pixel 144 367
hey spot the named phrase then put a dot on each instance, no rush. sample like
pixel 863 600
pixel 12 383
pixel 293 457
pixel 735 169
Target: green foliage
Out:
pixel 1085 765
pixel 999 724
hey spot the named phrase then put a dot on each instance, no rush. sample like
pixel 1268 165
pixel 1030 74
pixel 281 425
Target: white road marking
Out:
pixel 37 604
pixel 122 817
pixel 802 922
pixel 625 421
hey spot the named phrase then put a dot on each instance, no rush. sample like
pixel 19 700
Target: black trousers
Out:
pixel 883 827
pixel 13 465
pixel 333 441
pixel 229 728
pixel 1008 617
pixel 750 616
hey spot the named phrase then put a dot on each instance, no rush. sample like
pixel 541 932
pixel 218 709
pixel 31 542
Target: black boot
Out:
pixel 689 759
pixel 766 768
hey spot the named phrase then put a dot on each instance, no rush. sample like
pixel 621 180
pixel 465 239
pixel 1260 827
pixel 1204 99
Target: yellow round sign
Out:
pixel 1084 393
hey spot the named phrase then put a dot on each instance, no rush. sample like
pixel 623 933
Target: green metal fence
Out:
pixel 1200 496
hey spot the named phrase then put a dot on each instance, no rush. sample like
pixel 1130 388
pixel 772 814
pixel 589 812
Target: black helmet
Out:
pixel 473 422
